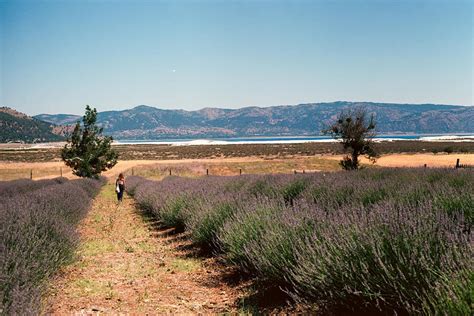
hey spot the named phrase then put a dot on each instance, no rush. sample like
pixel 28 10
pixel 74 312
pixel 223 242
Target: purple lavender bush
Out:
pixel 393 240
pixel 208 217
pixel 133 182
pixel 37 236
pixel 170 199
pixel 14 187
pixel 392 257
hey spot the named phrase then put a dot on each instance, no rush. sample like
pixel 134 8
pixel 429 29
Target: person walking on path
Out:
pixel 120 187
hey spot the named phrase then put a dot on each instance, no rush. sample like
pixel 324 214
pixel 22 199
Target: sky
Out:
pixel 58 56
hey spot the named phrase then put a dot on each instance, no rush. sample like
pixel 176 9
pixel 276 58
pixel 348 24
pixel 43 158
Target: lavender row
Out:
pixel 396 240
pixel 37 236
pixel 14 187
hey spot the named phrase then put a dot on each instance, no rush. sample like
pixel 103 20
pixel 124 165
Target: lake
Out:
pixel 291 139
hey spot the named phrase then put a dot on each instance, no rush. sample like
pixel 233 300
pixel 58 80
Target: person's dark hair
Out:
pixel 121 176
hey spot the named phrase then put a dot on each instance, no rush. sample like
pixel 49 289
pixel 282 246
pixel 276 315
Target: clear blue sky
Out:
pixel 57 56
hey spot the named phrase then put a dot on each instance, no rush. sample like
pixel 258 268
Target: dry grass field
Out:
pixel 35 170
pixel 24 161
pixel 419 160
pixel 157 169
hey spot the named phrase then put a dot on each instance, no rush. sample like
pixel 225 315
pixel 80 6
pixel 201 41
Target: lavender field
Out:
pixel 37 236
pixel 390 240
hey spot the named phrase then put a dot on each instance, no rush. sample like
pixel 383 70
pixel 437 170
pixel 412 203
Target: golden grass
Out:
pixel 36 170
pixel 34 173
pixel 229 167
pixel 158 169
pixel 442 160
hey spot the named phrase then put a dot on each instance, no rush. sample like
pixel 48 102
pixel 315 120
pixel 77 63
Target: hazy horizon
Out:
pixel 231 108
pixel 57 56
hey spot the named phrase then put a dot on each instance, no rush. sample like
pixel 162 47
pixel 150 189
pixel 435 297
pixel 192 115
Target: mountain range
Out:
pixel 19 127
pixel 146 122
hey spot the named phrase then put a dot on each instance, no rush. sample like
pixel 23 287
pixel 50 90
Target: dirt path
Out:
pixel 126 265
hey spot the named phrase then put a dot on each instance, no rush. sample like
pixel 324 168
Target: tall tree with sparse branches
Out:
pixel 87 151
pixel 356 133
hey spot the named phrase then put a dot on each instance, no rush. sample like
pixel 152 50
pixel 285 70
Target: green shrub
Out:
pixel 205 225
pixel 448 150
pixel 457 204
pixel 243 228
pixel 318 194
pixel 343 195
pixel 292 190
pixel 373 196
pixel 172 211
pixel 454 297
pixel 262 188
pixel 460 181
pixel 434 177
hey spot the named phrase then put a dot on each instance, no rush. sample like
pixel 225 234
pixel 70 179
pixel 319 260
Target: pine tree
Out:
pixel 87 151
pixel 356 134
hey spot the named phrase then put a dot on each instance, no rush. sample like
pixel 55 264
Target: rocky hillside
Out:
pixel 18 127
pixel 59 119
pixel 145 122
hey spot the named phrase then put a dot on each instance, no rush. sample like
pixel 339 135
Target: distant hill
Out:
pixel 59 119
pixel 18 127
pixel 145 122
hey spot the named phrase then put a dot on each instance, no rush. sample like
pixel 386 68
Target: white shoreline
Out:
pixel 204 142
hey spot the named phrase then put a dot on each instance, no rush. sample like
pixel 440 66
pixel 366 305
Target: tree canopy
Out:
pixel 87 151
pixel 356 133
